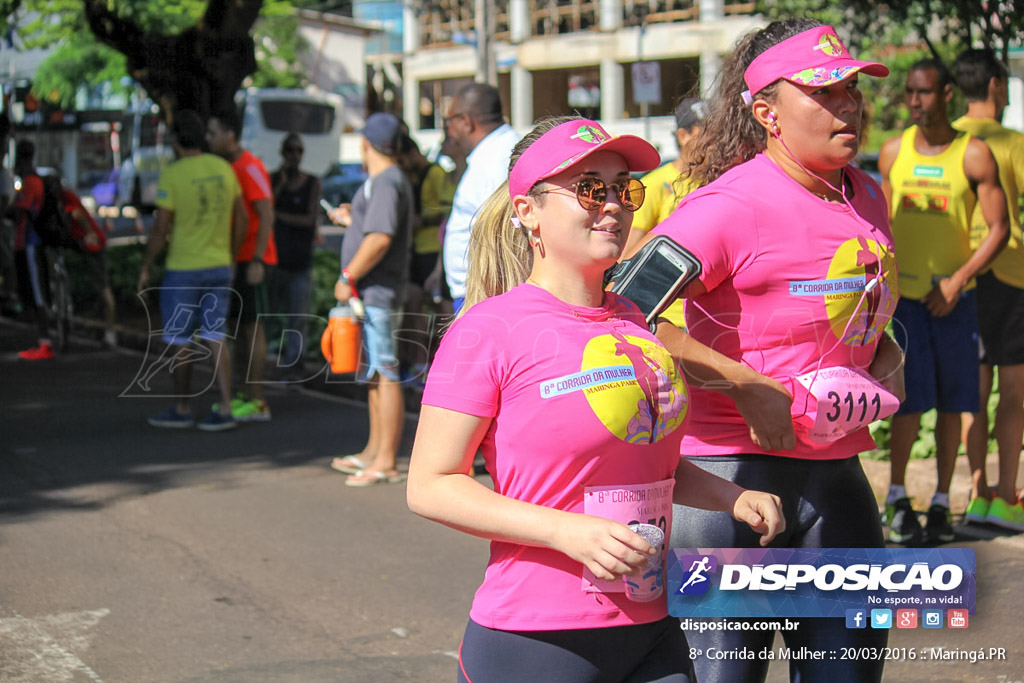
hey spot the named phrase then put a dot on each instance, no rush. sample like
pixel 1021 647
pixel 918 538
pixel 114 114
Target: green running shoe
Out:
pixel 251 411
pixel 977 510
pixel 237 402
pixel 1006 516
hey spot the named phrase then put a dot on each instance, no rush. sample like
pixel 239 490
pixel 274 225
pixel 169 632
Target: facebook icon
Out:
pixel 856 618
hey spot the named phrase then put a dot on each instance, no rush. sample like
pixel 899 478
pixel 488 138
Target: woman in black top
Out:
pixel 296 202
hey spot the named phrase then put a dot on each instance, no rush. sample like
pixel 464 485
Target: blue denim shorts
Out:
pixel 379 345
pixel 941 369
pixel 195 300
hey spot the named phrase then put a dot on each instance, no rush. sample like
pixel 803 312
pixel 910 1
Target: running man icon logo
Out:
pixel 698 567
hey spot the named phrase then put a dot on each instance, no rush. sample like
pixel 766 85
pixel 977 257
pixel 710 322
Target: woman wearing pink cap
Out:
pixel 789 313
pixel 578 411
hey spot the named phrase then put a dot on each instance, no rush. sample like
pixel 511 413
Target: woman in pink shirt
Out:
pixel 786 342
pixel 577 410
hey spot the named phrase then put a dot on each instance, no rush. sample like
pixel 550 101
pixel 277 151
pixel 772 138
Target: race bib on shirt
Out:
pixel 643 503
pixel 831 403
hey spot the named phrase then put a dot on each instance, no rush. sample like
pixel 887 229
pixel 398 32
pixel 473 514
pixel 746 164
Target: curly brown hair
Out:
pixel 731 135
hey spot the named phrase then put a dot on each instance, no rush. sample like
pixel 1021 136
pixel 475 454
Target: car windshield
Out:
pixel 309 118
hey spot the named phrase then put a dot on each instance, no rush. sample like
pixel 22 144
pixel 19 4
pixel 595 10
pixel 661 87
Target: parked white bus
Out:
pixel 268 114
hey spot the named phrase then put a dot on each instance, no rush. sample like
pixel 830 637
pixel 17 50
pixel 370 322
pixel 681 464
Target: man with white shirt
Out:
pixel 477 127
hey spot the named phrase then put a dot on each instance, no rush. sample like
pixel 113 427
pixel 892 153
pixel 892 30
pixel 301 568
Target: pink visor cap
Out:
pixel 571 142
pixel 814 57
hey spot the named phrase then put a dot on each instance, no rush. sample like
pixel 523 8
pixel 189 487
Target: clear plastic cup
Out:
pixel 650 584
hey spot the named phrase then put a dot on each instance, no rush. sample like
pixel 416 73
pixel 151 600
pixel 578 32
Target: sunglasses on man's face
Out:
pixel 592 193
pixel 293 150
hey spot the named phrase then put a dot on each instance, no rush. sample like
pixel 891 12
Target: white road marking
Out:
pixel 43 650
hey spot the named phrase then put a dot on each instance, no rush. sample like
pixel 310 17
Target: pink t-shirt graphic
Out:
pixel 794 284
pixel 581 397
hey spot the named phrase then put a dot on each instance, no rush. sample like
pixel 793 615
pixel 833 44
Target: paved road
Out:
pixel 129 554
pixel 134 554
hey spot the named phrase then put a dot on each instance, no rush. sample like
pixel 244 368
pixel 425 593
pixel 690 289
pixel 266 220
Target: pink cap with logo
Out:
pixel 814 57
pixel 571 142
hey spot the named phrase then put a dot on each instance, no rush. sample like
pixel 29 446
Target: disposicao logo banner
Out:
pixel 799 582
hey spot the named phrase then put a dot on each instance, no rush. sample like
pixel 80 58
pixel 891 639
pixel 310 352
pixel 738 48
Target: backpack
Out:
pixel 52 224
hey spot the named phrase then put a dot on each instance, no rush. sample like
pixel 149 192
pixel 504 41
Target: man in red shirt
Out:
pixel 29 256
pixel 256 254
pixel 92 242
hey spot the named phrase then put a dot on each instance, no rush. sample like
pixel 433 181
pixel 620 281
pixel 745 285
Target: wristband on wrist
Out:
pixel 346 277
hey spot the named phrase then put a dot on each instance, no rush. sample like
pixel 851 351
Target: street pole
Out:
pixel 486 69
pixel 644 107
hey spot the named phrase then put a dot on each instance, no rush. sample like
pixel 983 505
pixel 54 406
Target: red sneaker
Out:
pixel 42 352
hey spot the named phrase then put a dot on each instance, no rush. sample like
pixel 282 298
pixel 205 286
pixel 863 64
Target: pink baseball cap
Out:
pixel 814 57
pixel 571 142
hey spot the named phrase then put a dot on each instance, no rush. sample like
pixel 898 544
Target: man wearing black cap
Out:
pixel 375 257
pixel 664 185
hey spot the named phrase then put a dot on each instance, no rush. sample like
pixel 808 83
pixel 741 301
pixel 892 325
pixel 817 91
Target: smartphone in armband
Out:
pixel 655 276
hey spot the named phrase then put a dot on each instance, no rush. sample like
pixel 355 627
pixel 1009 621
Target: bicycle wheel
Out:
pixel 60 303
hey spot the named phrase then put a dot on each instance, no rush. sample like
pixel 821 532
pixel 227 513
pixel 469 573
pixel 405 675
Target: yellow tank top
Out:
pixel 1008 148
pixel 932 203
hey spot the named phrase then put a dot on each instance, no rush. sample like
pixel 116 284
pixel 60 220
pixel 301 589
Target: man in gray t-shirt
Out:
pixel 383 206
pixel 375 266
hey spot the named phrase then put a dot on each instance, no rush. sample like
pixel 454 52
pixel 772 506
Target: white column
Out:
pixel 518 21
pixel 710 65
pixel 710 60
pixel 522 98
pixel 610 15
pixel 521 94
pixel 410 85
pixel 410 100
pixel 410 29
pixel 712 10
pixel 613 92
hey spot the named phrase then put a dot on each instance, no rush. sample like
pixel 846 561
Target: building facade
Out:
pixel 626 62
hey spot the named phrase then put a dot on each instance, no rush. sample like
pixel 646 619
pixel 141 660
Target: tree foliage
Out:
pixel 185 53
pixel 994 24
pixel 899 33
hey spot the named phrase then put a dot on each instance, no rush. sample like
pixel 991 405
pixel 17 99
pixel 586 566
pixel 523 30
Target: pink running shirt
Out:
pixel 580 397
pixel 788 269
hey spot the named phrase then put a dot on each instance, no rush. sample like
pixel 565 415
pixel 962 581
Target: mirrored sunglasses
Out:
pixel 592 193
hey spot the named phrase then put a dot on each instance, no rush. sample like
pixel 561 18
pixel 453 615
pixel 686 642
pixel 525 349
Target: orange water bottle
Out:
pixel 341 340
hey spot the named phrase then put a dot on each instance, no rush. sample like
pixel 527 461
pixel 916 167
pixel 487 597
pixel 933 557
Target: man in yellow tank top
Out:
pixel 983 79
pixel 933 177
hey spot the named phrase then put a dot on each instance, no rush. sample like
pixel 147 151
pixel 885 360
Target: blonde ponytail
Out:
pixel 500 257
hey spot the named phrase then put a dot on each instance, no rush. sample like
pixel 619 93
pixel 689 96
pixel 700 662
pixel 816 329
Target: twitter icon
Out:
pixel 881 618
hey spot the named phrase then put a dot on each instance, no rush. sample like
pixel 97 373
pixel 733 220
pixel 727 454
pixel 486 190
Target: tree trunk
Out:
pixel 199 69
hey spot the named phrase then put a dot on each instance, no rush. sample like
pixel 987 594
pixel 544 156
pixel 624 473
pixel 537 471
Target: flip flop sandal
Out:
pixel 364 479
pixel 348 464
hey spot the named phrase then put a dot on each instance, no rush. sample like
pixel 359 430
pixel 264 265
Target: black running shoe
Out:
pixel 902 520
pixel 938 527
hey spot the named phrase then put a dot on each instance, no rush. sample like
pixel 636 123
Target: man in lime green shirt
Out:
pixel 201 215
pixel 983 79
